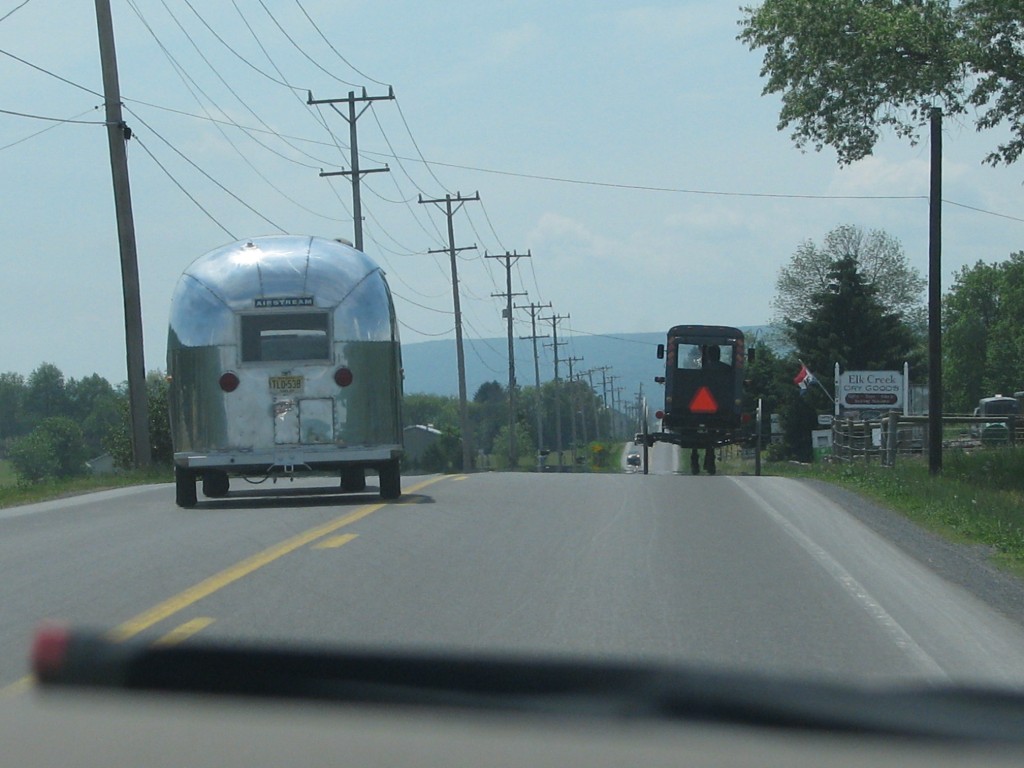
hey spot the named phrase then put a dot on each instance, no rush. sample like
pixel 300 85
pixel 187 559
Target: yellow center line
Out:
pixel 18 686
pixel 333 542
pixel 243 568
pixel 185 631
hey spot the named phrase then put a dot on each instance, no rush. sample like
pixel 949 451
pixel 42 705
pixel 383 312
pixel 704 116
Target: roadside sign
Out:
pixel 871 389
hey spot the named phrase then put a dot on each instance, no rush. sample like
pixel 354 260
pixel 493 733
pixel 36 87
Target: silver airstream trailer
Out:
pixel 283 358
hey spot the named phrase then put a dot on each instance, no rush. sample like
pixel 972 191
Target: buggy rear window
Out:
pixel 702 356
pixel 285 336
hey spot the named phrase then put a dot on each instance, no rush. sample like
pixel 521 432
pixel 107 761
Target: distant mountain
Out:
pixel 430 366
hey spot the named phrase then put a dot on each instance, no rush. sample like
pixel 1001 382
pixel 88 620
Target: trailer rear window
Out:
pixel 280 336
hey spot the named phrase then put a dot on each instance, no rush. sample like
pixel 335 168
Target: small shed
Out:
pixel 418 438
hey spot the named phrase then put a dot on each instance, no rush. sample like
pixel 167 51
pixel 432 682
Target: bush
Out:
pixel 54 449
pixel 118 441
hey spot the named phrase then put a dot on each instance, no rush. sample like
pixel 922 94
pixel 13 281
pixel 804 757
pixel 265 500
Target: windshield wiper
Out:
pixel 543 686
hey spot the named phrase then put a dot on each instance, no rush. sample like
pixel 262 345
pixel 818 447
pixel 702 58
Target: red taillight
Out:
pixel 659 414
pixel 343 377
pixel 746 418
pixel 229 381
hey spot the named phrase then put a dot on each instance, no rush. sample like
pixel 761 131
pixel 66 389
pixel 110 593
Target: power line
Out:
pixel 48 72
pixel 982 210
pixel 239 56
pixel 56 124
pixel 331 46
pixel 300 49
pixel 184 191
pixel 188 160
pixel 13 10
pixel 50 119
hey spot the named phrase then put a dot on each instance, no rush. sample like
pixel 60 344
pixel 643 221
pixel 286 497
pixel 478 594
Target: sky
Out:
pixel 626 147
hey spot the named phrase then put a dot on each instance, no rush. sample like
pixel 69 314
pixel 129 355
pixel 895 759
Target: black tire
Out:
pixel 694 462
pixel 353 479
pixel 184 487
pixel 390 475
pixel 216 484
pixel 709 461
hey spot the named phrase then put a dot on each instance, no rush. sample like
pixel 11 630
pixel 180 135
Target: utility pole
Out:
pixel 935 297
pixel 356 173
pixel 534 308
pixel 117 135
pixel 555 344
pixel 451 205
pixel 510 259
pixel 572 405
pixel 613 413
pixel 597 418
pixel 617 396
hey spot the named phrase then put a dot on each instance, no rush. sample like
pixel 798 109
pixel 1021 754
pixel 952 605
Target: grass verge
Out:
pixel 13 493
pixel 978 498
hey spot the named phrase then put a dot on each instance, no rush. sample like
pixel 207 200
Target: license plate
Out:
pixel 286 383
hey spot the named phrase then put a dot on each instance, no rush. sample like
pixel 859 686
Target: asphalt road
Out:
pixel 748 573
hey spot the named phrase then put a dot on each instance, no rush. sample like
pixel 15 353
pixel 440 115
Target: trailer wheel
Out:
pixel 390 480
pixel 353 479
pixel 216 484
pixel 184 487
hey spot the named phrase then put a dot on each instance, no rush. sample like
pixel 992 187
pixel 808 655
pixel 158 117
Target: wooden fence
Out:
pixel 883 440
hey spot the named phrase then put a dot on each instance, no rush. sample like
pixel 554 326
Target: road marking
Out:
pixel 243 568
pixel 18 686
pixel 854 588
pixel 185 631
pixel 336 541
pixel 460 477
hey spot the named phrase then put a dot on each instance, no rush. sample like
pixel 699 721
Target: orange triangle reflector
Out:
pixel 703 402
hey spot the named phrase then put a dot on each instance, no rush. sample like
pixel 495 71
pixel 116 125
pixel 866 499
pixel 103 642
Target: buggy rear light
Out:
pixel 343 377
pixel 746 418
pixel 659 414
pixel 229 381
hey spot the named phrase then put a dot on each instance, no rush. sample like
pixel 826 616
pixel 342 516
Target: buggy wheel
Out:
pixel 184 487
pixel 709 461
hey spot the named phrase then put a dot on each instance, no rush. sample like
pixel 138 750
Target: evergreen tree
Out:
pixel 850 326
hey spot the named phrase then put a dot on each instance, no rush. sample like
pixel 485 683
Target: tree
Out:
pixel 983 339
pixel 880 259
pixel 94 404
pixel 768 379
pixel 489 414
pixel 118 440
pixel 46 395
pixel 435 410
pixel 12 397
pixel 850 326
pixel 847 68
pixel 995 51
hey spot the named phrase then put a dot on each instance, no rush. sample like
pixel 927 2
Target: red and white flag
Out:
pixel 804 378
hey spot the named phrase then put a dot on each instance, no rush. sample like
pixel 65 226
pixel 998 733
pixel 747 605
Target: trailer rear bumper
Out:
pixel 289 460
